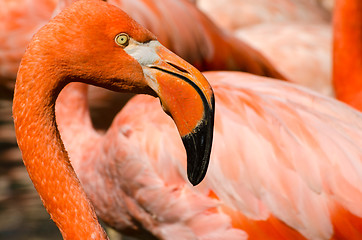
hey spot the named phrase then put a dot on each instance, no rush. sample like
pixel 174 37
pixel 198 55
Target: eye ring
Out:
pixel 122 39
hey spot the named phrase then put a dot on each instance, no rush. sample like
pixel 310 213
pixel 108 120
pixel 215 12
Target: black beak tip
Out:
pixel 195 178
pixel 198 147
pixel 197 157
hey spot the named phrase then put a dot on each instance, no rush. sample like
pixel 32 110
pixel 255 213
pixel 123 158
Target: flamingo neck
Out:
pixel 44 155
pixel 347 50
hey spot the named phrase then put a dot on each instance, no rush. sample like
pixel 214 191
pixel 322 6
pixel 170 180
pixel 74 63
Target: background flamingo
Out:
pixel 258 199
pixel 226 12
pixel 294 34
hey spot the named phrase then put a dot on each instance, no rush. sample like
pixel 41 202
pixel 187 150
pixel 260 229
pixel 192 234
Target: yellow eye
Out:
pixel 122 39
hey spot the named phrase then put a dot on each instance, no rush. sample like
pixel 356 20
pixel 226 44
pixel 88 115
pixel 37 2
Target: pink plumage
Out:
pixel 280 151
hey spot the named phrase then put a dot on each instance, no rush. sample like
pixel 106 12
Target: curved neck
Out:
pixel 347 51
pixel 44 155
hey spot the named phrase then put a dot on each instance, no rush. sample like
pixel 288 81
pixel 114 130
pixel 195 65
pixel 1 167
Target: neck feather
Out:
pixel 347 51
pixel 44 155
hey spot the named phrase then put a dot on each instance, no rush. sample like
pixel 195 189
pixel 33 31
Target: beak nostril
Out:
pixel 178 67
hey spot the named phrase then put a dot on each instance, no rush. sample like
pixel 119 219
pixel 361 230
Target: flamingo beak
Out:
pixel 188 98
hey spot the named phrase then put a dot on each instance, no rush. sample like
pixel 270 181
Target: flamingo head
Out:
pixel 97 43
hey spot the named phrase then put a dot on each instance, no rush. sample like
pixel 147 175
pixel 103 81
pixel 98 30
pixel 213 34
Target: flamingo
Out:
pixel 347 50
pixel 136 62
pixel 286 162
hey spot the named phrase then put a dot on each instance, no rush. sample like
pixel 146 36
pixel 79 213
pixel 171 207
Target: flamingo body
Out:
pixel 289 167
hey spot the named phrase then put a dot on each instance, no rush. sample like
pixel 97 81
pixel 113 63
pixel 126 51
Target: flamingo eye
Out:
pixel 122 39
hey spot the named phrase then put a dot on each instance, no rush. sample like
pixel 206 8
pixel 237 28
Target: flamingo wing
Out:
pixel 286 152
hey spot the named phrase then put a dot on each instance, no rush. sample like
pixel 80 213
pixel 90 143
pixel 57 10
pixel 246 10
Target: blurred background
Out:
pixel 22 215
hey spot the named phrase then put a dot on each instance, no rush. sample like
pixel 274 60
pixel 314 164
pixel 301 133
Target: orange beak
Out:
pixel 188 98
